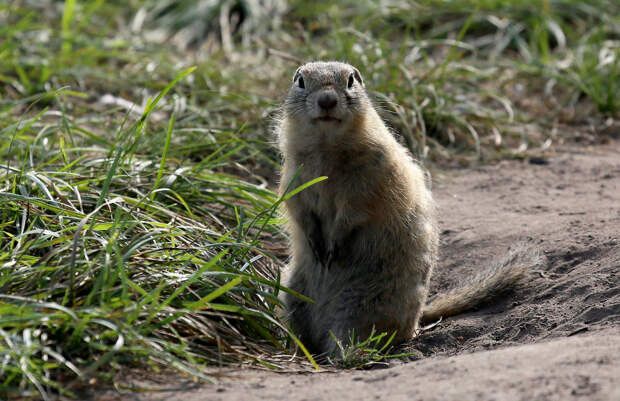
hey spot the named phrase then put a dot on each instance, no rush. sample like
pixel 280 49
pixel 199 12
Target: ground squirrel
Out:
pixel 363 242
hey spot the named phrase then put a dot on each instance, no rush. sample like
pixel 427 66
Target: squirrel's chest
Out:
pixel 321 196
pixel 348 180
pixel 339 166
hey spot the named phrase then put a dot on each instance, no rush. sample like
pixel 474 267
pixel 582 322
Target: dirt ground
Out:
pixel 555 338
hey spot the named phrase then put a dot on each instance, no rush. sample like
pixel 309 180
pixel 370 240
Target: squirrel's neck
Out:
pixel 365 132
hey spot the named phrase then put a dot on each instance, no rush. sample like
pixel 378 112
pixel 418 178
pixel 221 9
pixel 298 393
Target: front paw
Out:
pixel 338 249
pixel 329 259
pixel 333 253
pixel 318 256
pixel 318 250
pixel 321 254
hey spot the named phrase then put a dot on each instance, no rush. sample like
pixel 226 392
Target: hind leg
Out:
pixel 347 319
pixel 354 316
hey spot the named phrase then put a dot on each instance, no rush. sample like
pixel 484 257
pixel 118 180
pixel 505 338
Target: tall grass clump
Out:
pixel 112 257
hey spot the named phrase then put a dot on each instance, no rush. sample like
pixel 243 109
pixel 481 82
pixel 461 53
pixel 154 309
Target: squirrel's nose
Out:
pixel 327 101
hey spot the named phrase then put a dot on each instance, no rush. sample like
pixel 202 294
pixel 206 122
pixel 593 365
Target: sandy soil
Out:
pixel 555 338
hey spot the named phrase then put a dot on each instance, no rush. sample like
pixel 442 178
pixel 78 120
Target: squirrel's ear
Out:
pixel 358 76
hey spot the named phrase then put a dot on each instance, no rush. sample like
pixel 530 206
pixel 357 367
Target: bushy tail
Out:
pixel 500 276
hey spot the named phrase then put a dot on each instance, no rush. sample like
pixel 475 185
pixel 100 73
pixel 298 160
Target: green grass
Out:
pixel 139 225
pixel 111 257
pixel 359 353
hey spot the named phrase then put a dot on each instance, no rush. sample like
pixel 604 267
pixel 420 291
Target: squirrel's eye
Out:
pixel 300 82
pixel 351 81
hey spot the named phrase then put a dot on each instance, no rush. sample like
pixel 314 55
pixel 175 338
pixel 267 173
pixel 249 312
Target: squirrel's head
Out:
pixel 328 95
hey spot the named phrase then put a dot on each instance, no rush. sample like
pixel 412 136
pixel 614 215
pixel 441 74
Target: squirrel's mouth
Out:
pixel 328 119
